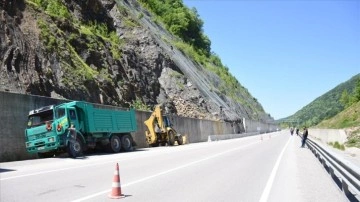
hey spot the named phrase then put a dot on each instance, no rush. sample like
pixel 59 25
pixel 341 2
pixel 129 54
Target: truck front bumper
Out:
pixel 42 145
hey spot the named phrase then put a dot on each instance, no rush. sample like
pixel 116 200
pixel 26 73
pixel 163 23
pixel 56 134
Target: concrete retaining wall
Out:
pixel 329 135
pixel 14 110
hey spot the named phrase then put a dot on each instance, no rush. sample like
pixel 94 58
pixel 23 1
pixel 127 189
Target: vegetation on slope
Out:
pixel 66 36
pixel 329 104
pixel 181 22
pixel 350 117
pixel 186 24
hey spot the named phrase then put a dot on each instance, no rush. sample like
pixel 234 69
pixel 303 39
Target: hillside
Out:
pixel 348 118
pixel 325 106
pixel 116 53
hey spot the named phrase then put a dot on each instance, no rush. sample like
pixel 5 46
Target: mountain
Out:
pixel 120 53
pixel 325 106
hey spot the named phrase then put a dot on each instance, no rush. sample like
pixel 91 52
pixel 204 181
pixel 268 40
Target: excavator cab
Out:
pixel 167 122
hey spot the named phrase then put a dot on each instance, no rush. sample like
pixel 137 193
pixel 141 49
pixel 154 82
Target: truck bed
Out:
pixel 114 120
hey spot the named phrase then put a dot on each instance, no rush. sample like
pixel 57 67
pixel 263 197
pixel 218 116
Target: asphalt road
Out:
pixel 271 167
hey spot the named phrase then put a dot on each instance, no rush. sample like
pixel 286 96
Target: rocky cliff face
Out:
pixel 109 52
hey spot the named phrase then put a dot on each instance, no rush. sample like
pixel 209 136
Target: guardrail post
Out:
pixel 346 191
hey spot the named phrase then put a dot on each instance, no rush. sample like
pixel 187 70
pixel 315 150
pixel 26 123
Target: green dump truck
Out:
pixel 77 126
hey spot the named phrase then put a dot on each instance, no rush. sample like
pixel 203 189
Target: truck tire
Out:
pixel 75 148
pixel 180 140
pixel 126 143
pixel 114 144
pixel 171 137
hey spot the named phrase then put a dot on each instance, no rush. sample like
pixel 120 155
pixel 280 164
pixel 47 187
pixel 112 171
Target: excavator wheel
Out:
pixel 180 140
pixel 171 137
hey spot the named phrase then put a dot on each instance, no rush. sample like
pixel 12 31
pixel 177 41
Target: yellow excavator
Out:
pixel 160 131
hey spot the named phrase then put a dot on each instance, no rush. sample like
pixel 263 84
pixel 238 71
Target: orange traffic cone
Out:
pixel 116 186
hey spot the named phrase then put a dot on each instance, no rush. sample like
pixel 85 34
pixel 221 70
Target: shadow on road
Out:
pixel 93 153
pixel 3 170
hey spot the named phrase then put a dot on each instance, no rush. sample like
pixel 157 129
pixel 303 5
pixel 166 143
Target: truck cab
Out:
pixel 47 128
pixel 40 131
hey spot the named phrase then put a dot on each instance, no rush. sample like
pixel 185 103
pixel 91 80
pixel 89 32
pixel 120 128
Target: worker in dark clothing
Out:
pixel 305 135
pixel 297 131
pixel 72 133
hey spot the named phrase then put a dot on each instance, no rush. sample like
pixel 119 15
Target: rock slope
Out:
pixel 108 52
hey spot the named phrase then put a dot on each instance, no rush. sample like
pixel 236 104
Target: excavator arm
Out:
pixel 155 119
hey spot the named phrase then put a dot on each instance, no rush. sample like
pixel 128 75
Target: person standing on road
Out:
pixel 304 137
pixel 72 133
pixel 297 131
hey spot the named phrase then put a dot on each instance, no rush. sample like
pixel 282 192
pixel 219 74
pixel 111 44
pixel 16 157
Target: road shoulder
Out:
pixel 302 178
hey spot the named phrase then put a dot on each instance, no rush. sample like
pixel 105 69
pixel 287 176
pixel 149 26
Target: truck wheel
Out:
pixel 114 144
pixel 171 137
pixel 180 140
pixel 75 148
pixel 126 143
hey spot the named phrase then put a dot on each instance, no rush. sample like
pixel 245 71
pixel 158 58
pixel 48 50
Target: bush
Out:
pixel 353 142
pixel 139 105
pixel 337 145
pixel 53 8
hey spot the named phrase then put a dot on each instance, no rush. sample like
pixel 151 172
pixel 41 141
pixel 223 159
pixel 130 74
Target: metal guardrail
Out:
pixel 344 173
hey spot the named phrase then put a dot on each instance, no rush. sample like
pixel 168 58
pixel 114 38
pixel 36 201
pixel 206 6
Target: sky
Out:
pixel 287 52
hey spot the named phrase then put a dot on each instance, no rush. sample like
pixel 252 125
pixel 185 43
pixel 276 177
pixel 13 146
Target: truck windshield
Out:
pixel 40 118
pixel 59 112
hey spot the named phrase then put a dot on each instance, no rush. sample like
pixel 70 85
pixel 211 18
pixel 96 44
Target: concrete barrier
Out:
pixel 229 136
pixel 14 110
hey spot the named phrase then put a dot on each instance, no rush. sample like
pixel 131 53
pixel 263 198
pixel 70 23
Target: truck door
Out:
pixel 73 118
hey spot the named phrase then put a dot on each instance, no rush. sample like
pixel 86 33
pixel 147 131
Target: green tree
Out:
pixel 357 91
pixel 345 98
pixel 182 22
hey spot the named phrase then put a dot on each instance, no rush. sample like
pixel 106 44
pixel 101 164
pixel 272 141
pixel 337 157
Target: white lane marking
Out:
pixel 165 172
pixel 56 170
pixel 266 192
